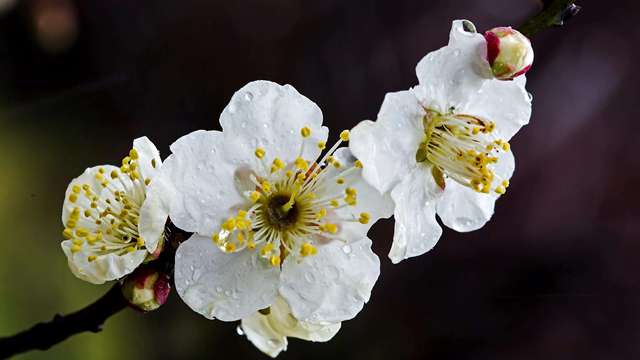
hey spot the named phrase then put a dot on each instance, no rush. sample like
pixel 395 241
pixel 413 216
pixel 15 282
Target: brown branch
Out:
pixel 44 335
pixel 554 13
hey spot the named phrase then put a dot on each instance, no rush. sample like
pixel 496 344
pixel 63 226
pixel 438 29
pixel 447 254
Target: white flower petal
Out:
pixel 148 155
pixel 269 332
pixel 416 228
pixel 333 285
pixel 226 286
pixel 263 336
pixel 204 181
pixel 451 75
pixel 161 194
pixel 388 147
pixel 88 177
pixel 270 116
pixel 506 103
pixel 464 209
pixel 369 201
pixel 104 268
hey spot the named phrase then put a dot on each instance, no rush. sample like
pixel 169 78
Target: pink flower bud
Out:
pixel 509 53
pixel 146 289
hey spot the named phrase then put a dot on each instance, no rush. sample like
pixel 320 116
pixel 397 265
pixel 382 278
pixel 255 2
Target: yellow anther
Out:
pixel 344 135
pixel 506 146
pixel 322 145
pixel 140 242
pixel 266 249
pixel 278 164
pixel 358 164
pixel 500 190
pixel 230 224
pixel 288 174
pixel 251 245
pixel 82 232
pixel 124 169
pixel 75 248
pixel 147 181
pixel 364 218
pixel 321 213
pixel 114 174
pixel 505 183
pixel 133 154
pixel 337 164
pixel 266 186
pixel 94 205
pixel 71 223
pixel 101 170
pixel 126 160
pixel 91 239
pixel 301 177
pixel 274 260
pixel 87 213
pixel 131 249
pixel 91 258
pixel 301 164
pixel 76 189
pixel 229 247
pixel 104 184
pixel 153 163
pixel 67 233
pixel 86 187
pixel 330 159
pixel 334 203
pixel 305 132
pixel 240 237
pixel 73 197
pixel 260 152
pixel 307 249
pixel 255 196
pixel 351 191
pixel 475 131
pixel 330 228
pixel 216 239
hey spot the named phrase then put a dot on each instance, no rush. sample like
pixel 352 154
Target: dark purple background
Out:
pixel 553 275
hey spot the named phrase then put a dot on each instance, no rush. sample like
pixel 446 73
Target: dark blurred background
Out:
pixel 554 275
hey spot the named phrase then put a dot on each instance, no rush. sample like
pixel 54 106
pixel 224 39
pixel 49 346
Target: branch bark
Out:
pixel 554 13
pixel 44 335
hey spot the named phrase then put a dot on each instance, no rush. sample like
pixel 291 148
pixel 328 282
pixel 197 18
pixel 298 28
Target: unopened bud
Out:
pixel 509 53
pixel 146 289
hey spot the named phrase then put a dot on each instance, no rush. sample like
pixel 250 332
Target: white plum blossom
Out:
pixel 269 330
pixel 442 147
pixel 271 216
pixel 110 227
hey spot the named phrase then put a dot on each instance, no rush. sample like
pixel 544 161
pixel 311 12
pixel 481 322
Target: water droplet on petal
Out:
pixel 309 277
pixel 239 330
pixel 346 249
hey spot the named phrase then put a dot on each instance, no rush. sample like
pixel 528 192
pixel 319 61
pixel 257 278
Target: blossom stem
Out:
pixel 554 13
pixel 44 335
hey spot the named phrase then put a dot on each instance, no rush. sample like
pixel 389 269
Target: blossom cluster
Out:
pixel 278 218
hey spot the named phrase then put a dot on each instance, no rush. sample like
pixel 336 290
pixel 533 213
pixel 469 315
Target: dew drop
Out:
pixel 346 249
pixel 239 330
pixel 309 277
